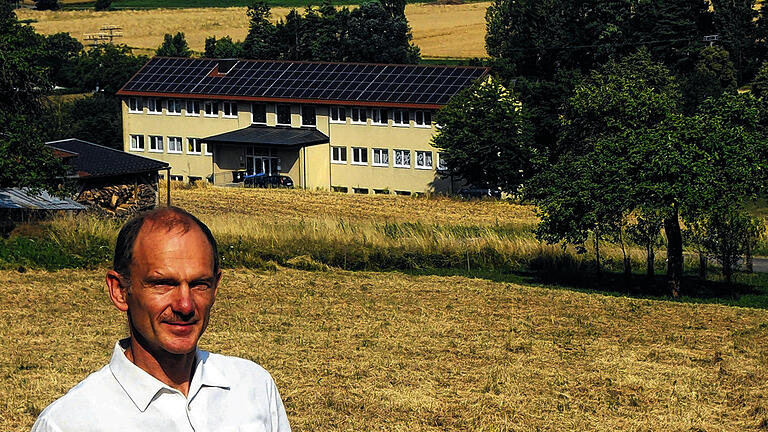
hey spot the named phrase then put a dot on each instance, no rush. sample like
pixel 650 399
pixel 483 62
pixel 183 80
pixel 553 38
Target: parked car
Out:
pixel 267 181
pixel 470 193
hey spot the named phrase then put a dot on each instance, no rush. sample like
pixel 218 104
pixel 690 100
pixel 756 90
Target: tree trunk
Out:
pixel 627 259
pixel 674 253
pixel 651 261
pixel 702 265
pixel 597 253
pixel 748 256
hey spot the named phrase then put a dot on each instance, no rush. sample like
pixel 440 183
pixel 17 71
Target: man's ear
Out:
pixel 117 293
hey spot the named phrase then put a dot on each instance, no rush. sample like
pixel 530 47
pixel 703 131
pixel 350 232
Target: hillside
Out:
pixel 439 30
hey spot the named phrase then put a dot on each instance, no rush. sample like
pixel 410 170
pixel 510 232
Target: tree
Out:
pixel 760 84
pixel 261 41
pixel 102 5
pixel 728 233
pixel 223 48
pixel 61 51
pixel 735 21
pixel 25 160
pixel 95 118
pixel 713 75
pixel 646 232
pixel 105 67
pixel 629 148
pixel 174 46
pixel 374 35
pixel 485 135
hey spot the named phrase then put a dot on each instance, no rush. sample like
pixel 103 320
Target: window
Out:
pixel 342 189
pixel 379 117
pixel 193 108
pixel 174 107
pixel 154 106
pixel 259 113
pixel 308 117
pixel 134 105
pixel 208 150
pixel 357 116
pixel 174 144
pixel 424 159
pixel 177 178
pixel 339 154
pixel 338 114
pixel 422 118
pixel 402 158
pixel 137 142
pixel 359 155
pixel 400 117
pixel 284 115
pixel 360 190
pixel 229 109
pixel 156 143
pixel 380 157
pixel 194 146
pixel 211 109
pixel 441 165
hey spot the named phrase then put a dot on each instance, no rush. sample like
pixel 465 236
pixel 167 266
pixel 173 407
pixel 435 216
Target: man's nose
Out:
pixel 183 302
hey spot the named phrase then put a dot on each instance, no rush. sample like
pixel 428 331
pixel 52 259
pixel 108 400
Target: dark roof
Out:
pixel 17 198
pixel 270 135
pixel 93 160
pixel 303 82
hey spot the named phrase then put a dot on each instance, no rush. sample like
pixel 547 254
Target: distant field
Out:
pixel 439 30
pixel 385 351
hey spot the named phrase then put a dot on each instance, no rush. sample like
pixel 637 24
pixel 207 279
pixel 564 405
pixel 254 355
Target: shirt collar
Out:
pixel 142 387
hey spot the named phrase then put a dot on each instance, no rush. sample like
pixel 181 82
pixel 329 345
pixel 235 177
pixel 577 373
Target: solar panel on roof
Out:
pixel 306 80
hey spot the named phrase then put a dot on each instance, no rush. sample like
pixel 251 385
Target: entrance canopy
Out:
pixel 270 136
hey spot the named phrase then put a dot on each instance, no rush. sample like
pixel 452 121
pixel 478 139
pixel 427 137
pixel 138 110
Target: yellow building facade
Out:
pixel 222 133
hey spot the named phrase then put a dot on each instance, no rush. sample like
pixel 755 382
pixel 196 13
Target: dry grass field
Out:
pixel 439 30
pixel 294 204
pixel 370 351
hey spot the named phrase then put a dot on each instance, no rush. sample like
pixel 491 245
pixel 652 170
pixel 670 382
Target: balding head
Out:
pixel 169 219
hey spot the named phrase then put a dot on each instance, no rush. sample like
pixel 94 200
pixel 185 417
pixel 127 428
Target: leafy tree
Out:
pixel 630 148
pixel 735 21
pixel 728 232
pixel 485 135
pixel 102 5
pixel 25 161
pixel 174 46
pixel 374 35
pixel 47 5
pixel 223 48
pixel 760 84
pixel 646 232
pixel 61 51
pixel 104 67
pixel 261 41
pixel 713 75
pixel 95 118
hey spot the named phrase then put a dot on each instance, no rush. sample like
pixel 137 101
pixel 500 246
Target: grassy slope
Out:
pixel 368 351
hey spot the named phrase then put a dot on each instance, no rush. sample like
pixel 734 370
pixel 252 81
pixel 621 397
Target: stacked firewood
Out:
pixel 119 200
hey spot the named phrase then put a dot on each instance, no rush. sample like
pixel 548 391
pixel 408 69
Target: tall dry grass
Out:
pixel 386 351
pixel 439 30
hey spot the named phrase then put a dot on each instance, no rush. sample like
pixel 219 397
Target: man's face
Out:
pixel 172 288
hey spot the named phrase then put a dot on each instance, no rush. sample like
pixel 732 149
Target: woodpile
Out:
pixel 119 200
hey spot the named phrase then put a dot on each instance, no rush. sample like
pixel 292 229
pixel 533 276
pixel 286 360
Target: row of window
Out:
pixel 228 109
pixel 381 157
pixel 158 144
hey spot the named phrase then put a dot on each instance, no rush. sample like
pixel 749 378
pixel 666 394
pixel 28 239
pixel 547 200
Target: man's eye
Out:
pixel 201 286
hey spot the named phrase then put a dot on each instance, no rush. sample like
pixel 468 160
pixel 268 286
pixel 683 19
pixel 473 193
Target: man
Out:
pixel 165 277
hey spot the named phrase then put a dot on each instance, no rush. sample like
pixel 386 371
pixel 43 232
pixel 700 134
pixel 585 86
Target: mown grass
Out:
pixel 388 351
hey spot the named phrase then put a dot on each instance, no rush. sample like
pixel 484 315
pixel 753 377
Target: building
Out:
pixel 362 128
pixel 110 181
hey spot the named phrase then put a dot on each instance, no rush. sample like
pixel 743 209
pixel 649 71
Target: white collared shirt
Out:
pixel 225 394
